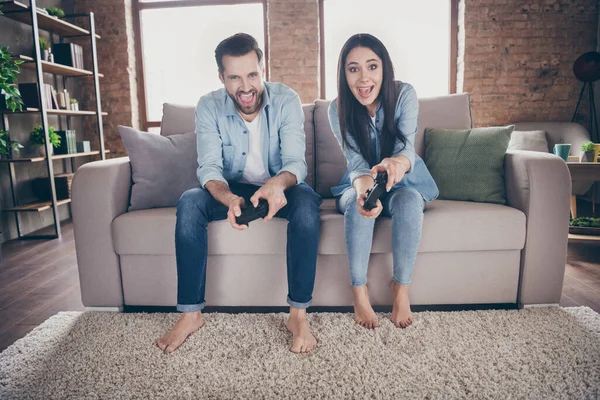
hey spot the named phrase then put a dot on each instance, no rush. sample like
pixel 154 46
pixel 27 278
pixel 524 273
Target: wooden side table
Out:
pixel 583 171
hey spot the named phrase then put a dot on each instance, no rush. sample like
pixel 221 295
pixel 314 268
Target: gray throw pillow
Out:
pixel 162 167
pixel 468 164
pixel 528 140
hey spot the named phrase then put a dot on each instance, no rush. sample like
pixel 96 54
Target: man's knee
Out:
pixel 194 202
pixel 304 204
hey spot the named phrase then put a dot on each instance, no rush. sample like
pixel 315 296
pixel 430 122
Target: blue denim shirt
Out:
pixel 407 113
pixel 222 136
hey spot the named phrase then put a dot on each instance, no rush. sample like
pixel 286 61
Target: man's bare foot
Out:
pixel 189 323
pixel 401 315
pixel 302 340
pixel 363 312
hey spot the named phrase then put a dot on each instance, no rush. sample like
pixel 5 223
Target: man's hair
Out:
pixel 237 45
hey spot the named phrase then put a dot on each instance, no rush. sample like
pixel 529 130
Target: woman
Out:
pixel 374 119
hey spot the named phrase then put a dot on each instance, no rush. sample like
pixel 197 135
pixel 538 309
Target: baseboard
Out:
pixel 313 309
pixel 541 305
pixel 105 309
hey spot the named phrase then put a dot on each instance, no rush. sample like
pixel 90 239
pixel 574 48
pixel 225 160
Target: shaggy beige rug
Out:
pixel 534 353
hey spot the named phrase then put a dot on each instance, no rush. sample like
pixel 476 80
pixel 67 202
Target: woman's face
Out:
pixel 364 74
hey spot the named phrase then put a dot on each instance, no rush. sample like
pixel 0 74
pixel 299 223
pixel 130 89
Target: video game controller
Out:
pixel 251 213
pixel 376 192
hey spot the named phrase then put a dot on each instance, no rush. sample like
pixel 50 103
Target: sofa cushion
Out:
pixel 179 119
pixel 468 164
pixel 451 111
pixel 162 168
pixel 448 226
pixel 528 140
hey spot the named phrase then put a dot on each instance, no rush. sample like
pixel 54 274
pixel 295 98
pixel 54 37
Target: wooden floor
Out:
pixel 39 278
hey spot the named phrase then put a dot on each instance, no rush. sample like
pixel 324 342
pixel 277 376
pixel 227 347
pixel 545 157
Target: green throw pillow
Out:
pixel 468 164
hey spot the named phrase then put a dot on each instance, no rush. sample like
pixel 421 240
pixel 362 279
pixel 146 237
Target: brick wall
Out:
pixel 116 60
pixel 518 58
pixel 294 45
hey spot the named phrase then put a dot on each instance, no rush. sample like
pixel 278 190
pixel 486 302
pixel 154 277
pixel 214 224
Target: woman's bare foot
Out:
pixel 401 315
pixel 363 312
pixel 302 340
pixel 189 323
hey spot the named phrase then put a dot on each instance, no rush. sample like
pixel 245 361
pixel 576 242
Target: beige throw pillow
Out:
pixel 529 140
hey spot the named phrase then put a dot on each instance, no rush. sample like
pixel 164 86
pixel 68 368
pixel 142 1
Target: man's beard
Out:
pixel 247 110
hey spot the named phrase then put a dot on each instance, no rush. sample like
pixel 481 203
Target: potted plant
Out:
pixel 7 145
pixel 587 152
pixel 10 97
pixel 74 104
pixel 38 139
pixel 55 12
pixel 44 49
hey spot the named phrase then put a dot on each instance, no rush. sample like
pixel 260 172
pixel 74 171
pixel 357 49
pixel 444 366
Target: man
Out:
pixel 251 143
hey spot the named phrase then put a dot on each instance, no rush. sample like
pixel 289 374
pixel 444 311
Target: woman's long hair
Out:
pixel 354 117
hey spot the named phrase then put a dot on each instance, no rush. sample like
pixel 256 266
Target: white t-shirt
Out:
pixel 255 172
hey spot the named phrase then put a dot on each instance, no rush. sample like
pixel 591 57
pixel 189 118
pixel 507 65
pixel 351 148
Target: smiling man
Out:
pixel 251 144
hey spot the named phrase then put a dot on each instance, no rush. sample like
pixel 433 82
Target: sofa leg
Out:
pixel 105 309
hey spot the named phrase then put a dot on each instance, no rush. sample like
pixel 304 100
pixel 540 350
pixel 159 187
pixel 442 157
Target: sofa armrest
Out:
pixel 100 193
pixel 539 185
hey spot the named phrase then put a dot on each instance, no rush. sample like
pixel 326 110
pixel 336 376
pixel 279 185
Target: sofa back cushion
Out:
pixel 450 111
pixel 179 119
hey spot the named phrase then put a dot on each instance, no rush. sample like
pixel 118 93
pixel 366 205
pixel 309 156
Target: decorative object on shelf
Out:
pixel 55 12
pixel 587 152
pixel 45 49
pixel 562 150
pixel 84 147
pixel 7 146
pixel 62 184
pixel 585 226
pixel 10 97
pixel 587 69
pixel 74 105
pixel 37 138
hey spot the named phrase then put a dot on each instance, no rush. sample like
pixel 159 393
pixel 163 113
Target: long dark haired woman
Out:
pixel 374 119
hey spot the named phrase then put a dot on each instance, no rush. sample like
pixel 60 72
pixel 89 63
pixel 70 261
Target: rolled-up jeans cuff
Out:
pixel 190 307
pixel 298 305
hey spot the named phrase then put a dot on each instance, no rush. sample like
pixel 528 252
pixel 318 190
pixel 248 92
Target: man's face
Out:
pixel 243 80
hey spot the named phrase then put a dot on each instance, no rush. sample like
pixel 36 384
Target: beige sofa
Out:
pixel 470 253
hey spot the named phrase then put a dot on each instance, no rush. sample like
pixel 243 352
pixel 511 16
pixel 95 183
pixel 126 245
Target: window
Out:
pixel 178 40
pixel 417 35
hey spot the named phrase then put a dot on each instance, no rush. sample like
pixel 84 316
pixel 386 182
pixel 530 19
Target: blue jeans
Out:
pixel 405 206
pixel 196 208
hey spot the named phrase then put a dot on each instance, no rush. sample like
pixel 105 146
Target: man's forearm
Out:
pixel 220 191
pixel 284 180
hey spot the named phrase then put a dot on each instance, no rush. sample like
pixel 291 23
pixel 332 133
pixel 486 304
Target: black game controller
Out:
pixel 251 213
pixel 376 192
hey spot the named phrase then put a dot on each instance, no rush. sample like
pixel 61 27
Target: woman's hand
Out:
pixel 395 167
pixel 374 213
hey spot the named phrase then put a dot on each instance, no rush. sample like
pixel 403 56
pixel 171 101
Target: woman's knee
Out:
pixel 406 199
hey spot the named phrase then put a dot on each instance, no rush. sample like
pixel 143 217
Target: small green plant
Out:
pixel 587 222
pixel 9 69
pixel 55 12
pixel 44 44
pixel 6 145
pixel 74 101
pixel 588 146
pixel 37 137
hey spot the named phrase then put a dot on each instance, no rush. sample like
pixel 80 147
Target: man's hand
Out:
pixel 273 193
pixel 235 210
pixel 395 167
pixel 374 213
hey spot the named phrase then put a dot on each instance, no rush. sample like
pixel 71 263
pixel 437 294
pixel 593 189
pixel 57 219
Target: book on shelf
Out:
pixel 67 142
pixel 30 95
pixel 69 54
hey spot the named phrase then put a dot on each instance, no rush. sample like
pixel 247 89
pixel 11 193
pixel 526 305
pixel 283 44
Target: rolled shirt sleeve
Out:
pixel 357 165
pixel 209 145
pixel 407 114
pixel 293 139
